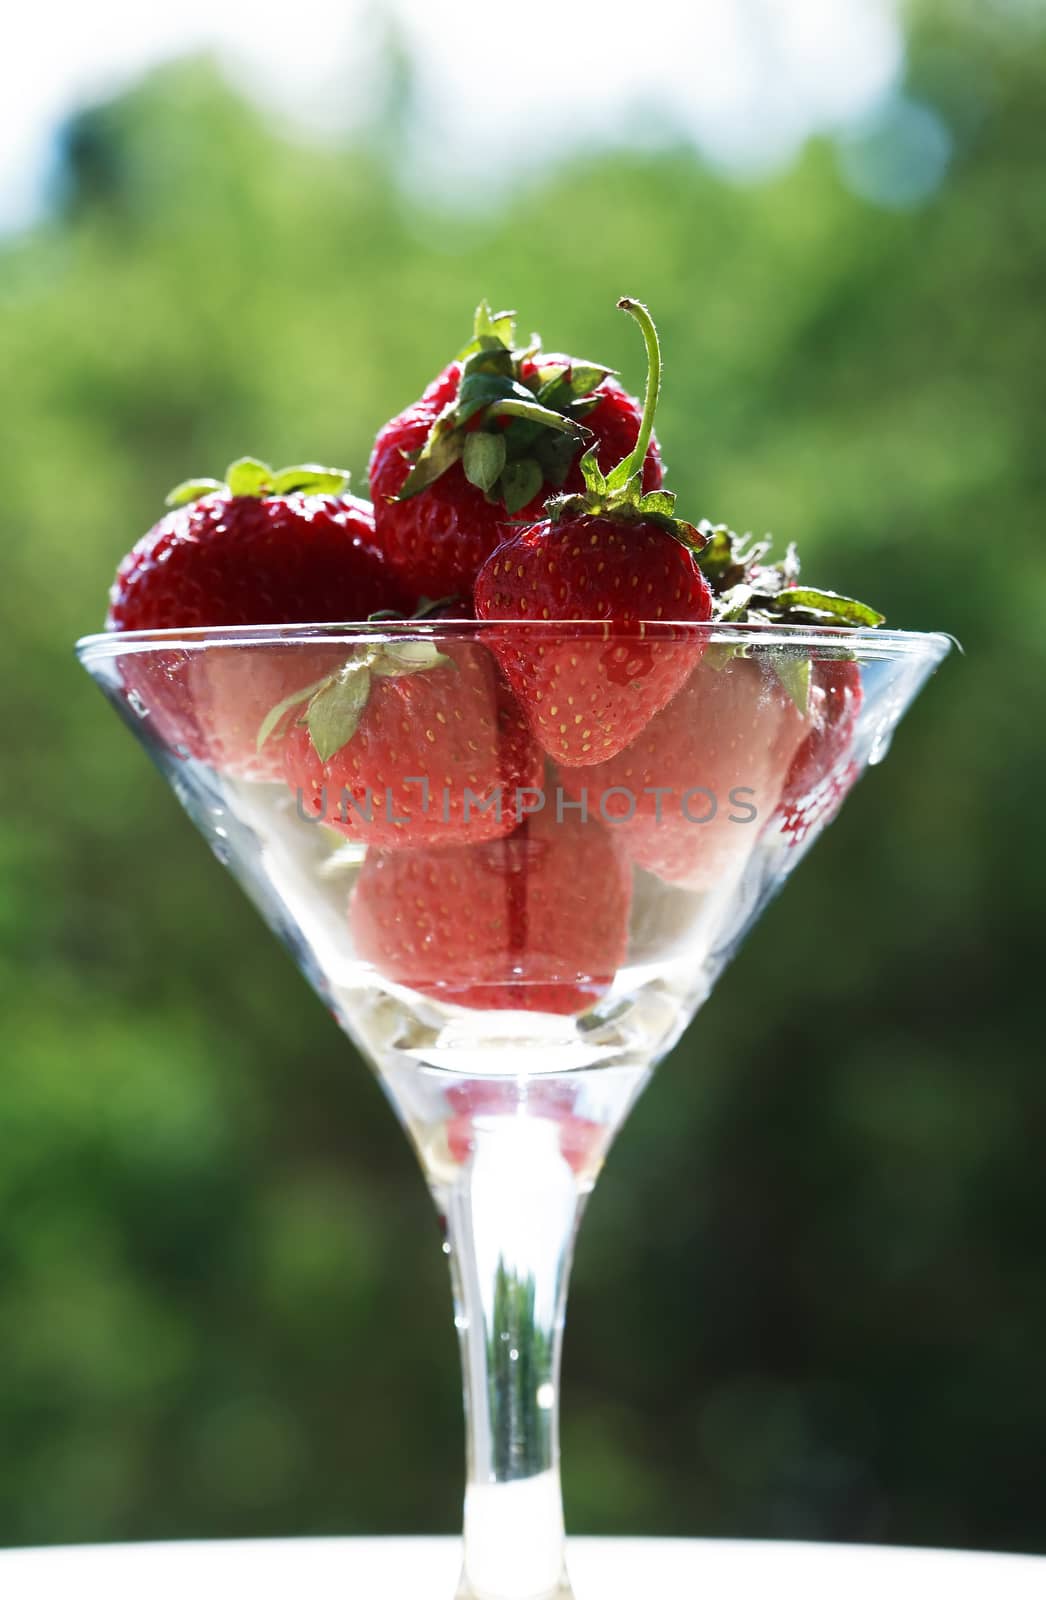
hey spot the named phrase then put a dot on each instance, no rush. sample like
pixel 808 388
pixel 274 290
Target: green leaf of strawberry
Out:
pixel 732 605
pixel 748 588
pixel 794 673
pixel 554 454
pixel 823 605
pixel 658 502
pixel 482 389
pixel 520 482
pixel 401 658
pixel 335 705
pixel 335 709
pixel 250 478
pixel 309 479
pixel 492 390
pixel 276 714
pixel 183 494
pixel 443 447
pixel 592 472
pixel 568 386
pixel 483 459
pixel 530 411
pixel 491 329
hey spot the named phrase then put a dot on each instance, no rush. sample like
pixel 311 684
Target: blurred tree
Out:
pixel 808 1298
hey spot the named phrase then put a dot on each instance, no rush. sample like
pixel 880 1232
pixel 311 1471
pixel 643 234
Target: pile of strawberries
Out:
pixel 525 721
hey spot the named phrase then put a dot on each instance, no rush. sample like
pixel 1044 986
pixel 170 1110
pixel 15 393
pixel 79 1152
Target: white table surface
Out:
pixel 427 1569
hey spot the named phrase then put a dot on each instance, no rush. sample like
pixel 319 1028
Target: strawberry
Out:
pixel 409 745
pixel 534 922
pixel 615 554
pixel 490 438
pixel 216 700
pixel 817 810
pixel 820 776
pixel 748 737
pixel 263 547
pixel 686 798
pixel 826 686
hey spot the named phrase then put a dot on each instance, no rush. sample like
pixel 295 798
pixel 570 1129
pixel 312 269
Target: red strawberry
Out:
pixel 409 745
pixel 490 438
pixel 719 751
pixel 534 922
pixel 263 548
pixel 228 693
pixel 750 589
pixel 616 555
pixel 820 776
pixel 817 810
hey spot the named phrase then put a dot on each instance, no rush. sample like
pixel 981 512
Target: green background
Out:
pixel 810 1296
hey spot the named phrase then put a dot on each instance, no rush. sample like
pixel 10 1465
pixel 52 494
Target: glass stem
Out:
pixel 512 1214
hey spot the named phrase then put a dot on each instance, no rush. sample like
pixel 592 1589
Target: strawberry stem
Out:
pixel 620 492
pixel 634 462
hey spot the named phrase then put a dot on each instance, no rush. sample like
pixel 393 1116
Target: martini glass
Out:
pixel 514 966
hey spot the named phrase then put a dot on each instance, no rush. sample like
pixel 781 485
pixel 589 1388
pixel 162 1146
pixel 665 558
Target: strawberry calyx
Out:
pixel 423 611
pixel 619 493
pixel 746 587
pixel 333 706
pixel 515 423
pixel 249 478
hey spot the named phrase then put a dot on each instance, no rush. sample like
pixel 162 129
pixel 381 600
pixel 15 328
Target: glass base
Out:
pixel 514 1538
pixel 465 1591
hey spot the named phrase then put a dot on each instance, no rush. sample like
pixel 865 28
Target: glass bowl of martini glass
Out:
pixel 514 920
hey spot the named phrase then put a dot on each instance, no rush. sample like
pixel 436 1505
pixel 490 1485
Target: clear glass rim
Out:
pixel 863 643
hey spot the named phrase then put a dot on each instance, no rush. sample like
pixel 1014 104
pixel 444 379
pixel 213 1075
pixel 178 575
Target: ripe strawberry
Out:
pixel 719 751
pixel 264 547
pixel 409 745
pixel 818 809
pixel 821 776
pixel 534 922
pixel 490 438
pixel 225 694
pixel 617 555
pixel 750 589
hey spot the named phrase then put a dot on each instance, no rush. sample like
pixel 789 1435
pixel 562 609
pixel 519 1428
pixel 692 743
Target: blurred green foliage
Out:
pixel 810 1297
